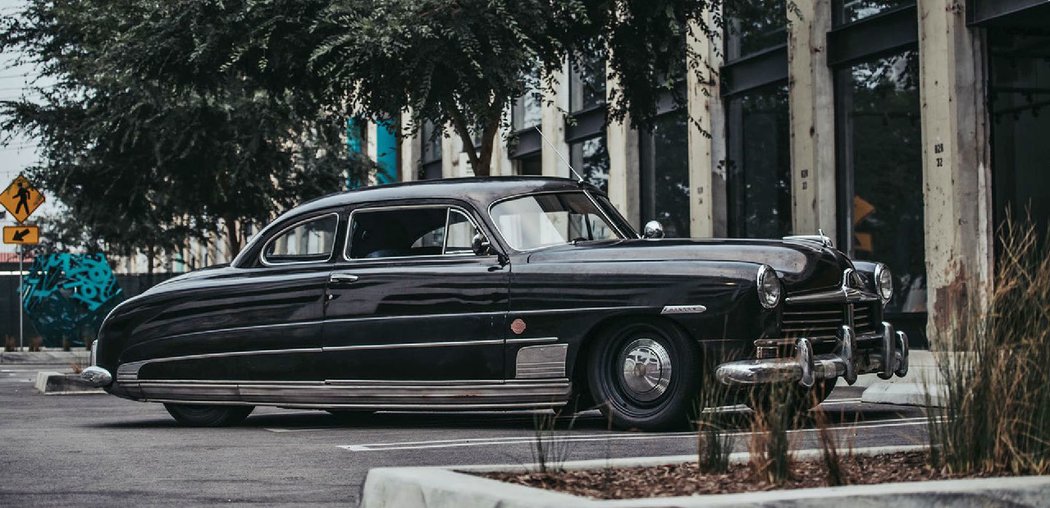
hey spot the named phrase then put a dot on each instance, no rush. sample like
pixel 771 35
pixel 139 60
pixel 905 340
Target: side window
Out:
pixel 409 232
pixel 307 242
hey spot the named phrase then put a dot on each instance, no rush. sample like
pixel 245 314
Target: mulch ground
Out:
pixel 686 479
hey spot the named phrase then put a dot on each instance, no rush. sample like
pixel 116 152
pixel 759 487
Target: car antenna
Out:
pixel 556 152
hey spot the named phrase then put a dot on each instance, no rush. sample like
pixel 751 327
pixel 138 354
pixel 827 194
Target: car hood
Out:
pixel 803 265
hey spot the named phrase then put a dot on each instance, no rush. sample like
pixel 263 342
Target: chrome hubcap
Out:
pixel 646 369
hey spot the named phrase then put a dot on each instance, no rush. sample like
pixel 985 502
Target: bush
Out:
pixel 995 414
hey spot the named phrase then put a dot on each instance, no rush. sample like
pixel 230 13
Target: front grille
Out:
pixel 823 320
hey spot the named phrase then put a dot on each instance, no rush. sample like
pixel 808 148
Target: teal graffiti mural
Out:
pixel 66 296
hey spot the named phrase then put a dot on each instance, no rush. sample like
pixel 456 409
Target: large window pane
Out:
pixel 759 165
pixel 527 111
pixel 591 158
pixel 665 174
pixel 754 25
pixel 880 131
pixel 848 11
pixel 1020 110
pixel 587 82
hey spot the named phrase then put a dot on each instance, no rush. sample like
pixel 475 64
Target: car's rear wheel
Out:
pixel 645 375
pixel 193 415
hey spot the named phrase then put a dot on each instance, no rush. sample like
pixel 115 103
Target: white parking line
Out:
pixel 584 438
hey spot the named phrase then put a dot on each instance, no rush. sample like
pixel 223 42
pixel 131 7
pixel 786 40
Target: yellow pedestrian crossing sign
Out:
pixel 21 199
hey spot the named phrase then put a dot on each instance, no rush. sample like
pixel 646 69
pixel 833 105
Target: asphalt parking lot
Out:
pixel 97 449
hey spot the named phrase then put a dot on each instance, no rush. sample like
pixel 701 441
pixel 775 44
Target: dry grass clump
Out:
pixel 996 403
pixel 775 414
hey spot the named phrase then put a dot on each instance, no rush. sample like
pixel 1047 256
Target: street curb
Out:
pixel 453 487
pixel 904 394
pixel 57 383
pixel 44 357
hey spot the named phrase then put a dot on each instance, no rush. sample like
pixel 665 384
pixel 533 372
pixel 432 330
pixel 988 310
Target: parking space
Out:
pixel 77 449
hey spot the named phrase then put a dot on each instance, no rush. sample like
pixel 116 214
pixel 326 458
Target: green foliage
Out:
pixel 145 147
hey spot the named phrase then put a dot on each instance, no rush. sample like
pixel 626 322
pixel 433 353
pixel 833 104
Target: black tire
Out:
pixel 625 405
pixel 208 416
pixel 798 398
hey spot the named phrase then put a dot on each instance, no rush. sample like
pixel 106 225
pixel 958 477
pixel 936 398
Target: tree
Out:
pixel 149 156
pixel 459 62
pixel 450 62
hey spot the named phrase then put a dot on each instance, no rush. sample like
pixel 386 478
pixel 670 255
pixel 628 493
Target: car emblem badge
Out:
pixel 518 327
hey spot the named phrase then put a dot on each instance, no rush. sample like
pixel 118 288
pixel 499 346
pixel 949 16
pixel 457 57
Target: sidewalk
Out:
pixel 911 390
pixel 47 357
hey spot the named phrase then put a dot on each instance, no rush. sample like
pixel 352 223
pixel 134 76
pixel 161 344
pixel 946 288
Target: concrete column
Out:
pixel 371 147
pixel 706 135
pixel 411 149
pixel 811 104
pixel 955 166
pixel 624 162
pixel 552 122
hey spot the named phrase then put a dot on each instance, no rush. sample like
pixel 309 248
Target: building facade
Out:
pixel 904 130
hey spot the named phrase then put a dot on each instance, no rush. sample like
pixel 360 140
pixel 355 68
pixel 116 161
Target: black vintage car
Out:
pixel 499 293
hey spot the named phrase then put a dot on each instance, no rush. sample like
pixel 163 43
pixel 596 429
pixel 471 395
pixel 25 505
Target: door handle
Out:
pixel 342 278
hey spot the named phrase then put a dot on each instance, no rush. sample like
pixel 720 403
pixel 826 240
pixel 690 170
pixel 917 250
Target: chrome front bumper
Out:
pixel 888 359
pixel 95 375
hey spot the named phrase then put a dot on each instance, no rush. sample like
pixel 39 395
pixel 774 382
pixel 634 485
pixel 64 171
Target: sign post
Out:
pixel 21 333
pixel 21 199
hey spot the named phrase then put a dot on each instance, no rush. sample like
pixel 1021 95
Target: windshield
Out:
pixel 541 220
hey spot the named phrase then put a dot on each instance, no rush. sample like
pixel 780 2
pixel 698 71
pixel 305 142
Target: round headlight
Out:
pixel 884 282
pixel 769 288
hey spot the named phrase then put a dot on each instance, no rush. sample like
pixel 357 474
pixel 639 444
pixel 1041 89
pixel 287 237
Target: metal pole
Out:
pixel 21 254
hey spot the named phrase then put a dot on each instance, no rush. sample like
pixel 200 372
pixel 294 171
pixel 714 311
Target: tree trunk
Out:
pixel 480 159
pixel 233 240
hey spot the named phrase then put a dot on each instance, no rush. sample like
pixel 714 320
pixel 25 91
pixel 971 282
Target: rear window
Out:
pixel 306 242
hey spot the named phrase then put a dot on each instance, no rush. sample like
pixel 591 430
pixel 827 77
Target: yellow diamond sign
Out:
pixel 21 199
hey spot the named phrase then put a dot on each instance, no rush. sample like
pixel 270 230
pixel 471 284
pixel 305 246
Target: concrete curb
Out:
pixel 921 386
pixel 57 383
pixel 44 357
pixel 448 487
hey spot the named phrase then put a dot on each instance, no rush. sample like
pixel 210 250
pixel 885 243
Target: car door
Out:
pixel 288 290
pixel 410 300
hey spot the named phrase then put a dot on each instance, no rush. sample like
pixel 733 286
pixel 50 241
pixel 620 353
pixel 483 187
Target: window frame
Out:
pixel 335 235
pixel 384 208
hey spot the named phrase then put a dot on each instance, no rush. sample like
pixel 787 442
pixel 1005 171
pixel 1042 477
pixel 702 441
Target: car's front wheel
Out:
pixel 645 375
pixel 208 416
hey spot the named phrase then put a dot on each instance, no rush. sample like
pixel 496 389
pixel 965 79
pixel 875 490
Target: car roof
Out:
pixel 481 191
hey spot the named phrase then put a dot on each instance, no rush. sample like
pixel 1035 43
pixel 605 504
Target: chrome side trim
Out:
pixel 551 392
pixel 580 309
pixel 130 370
pixel 531 340
pixel 683 309
pixel 541 362
pixel 376 407
pixel 414 345
pixel 240 329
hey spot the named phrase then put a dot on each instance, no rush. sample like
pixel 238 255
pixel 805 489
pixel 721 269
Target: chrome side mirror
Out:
pixel 480 245
pixel 653 230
